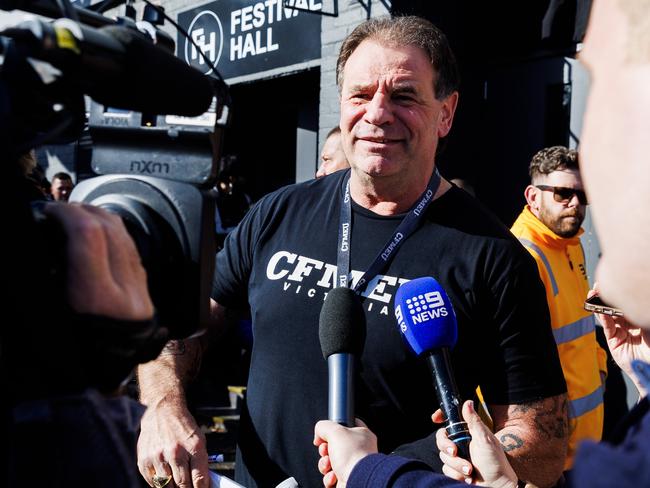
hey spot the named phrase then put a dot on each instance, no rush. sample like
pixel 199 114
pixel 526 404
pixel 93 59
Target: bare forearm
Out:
pixel 539 463
pixel 534 437
pixel 166 377
pixel 169 435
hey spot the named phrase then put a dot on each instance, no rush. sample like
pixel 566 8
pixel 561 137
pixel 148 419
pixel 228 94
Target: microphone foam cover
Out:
pixel 425 315
pixel 342 323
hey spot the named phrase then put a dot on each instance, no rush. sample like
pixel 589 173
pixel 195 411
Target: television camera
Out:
pixel 157 128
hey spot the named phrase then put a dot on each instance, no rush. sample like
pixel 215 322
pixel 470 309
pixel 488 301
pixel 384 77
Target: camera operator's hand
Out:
pixel 171 443
pixel 104 274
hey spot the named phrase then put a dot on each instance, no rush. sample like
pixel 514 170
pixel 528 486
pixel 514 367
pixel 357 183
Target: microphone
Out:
pixel 428 323
pixel 342 333
pixel 117 66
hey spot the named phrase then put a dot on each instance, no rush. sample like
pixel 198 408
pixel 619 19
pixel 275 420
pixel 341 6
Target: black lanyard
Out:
pixel 406 227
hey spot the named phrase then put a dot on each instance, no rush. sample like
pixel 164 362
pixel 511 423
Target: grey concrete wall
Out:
pixel 579 79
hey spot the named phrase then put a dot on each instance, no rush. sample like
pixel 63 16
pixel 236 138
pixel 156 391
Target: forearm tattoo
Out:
pixel 187 354
pixel 174 348
pixel 550 416
pixel 510 442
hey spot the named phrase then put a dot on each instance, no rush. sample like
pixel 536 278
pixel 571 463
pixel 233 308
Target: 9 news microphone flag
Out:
pixel 427 321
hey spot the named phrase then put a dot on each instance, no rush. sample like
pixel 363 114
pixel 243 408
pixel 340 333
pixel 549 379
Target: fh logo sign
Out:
pixel 426 307
pixel 206 31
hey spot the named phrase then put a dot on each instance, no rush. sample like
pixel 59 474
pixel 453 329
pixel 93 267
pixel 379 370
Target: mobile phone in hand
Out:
pixel 595 304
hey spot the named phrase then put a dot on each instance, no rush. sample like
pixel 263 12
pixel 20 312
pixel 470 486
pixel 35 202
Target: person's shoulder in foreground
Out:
pixel 383 471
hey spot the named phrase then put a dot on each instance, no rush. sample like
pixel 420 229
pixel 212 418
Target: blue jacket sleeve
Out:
pixel 382 471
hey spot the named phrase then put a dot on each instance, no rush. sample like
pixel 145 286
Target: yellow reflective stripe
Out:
pixel 575 330
pixel 587 403
pixel 547 265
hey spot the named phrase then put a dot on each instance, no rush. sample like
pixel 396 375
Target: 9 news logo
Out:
pixel 422 308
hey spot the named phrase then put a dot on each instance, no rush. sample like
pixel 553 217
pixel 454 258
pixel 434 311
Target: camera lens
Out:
pixel 172 231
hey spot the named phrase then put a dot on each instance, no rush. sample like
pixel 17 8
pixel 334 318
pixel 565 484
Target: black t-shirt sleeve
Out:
pixel 525 365
pixel 234 262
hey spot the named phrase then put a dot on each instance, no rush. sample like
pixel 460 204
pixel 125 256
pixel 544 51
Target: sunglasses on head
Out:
pixel 562 194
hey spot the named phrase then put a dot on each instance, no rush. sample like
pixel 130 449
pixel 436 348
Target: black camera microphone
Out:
pixel 117 66
pixel 342 333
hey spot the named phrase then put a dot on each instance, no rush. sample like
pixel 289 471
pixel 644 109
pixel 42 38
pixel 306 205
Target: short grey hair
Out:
pixel 407 31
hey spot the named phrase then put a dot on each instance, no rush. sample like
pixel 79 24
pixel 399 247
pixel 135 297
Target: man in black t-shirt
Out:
pixel 398 80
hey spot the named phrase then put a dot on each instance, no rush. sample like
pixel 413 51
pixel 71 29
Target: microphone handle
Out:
pixel 450 403
pixel 341 388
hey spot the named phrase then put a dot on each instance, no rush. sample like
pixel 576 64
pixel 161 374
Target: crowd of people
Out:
pixel 526 347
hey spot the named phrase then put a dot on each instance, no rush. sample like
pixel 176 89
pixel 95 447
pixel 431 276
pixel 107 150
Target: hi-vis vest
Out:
pixel 561 265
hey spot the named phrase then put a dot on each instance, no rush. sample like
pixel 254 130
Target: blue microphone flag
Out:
pixel 425 315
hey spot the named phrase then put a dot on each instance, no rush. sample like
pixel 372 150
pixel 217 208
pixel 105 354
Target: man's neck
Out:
pixel 384 196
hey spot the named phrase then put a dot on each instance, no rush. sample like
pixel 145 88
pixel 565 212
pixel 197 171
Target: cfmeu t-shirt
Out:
pixel 281 261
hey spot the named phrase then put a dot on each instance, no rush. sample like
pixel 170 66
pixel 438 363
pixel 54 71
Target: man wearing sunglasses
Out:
pixel 549 228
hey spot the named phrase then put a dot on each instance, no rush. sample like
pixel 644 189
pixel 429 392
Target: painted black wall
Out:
pixel 513 96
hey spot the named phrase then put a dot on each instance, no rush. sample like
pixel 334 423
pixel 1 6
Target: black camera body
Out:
pixel 157 171
pixel 159 179
pixel 172 225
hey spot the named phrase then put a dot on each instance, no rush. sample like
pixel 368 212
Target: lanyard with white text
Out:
pixel 406 227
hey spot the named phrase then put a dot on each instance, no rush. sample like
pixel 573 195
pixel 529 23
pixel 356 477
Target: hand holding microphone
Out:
pixel 341 330
pixel 427 320
pixel 489 466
